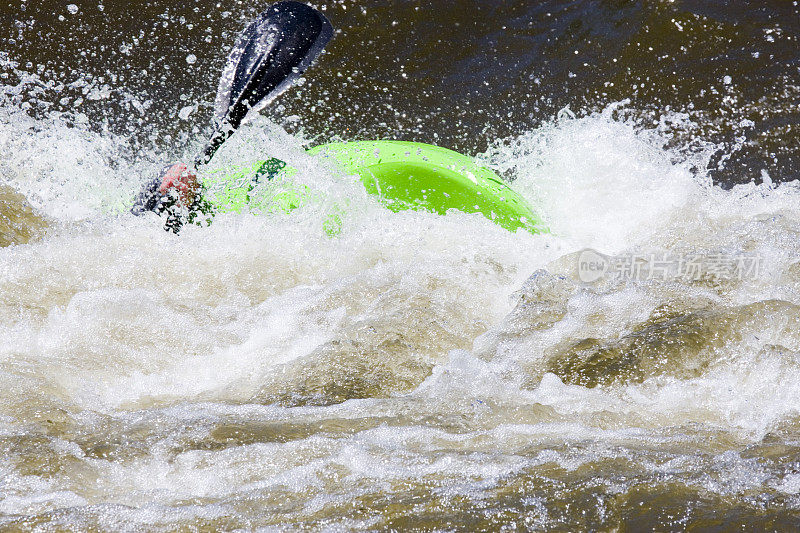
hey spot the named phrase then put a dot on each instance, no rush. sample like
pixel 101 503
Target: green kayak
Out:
pixel 402 175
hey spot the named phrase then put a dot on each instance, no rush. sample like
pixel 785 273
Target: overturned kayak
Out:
pixel 402 175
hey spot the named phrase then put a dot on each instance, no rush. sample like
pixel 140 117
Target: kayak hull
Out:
pixel 402 175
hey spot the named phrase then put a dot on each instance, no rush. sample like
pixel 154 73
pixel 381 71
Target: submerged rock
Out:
pixel 19 223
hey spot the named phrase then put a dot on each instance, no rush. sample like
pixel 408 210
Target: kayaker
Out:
pixel 175 193
pixel 269 55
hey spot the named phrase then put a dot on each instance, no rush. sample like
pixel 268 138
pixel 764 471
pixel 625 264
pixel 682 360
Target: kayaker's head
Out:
pixel 180 183
pixel 174 193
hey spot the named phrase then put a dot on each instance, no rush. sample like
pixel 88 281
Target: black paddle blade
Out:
pixel 268 56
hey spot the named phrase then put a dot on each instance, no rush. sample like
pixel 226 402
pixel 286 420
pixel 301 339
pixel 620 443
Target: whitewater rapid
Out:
pixel 414 371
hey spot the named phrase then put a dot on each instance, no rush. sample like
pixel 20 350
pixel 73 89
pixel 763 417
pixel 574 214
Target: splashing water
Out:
pixel 415 371
pixel 635 369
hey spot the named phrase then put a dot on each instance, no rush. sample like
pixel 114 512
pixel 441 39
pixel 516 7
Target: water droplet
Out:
pixel 185 112
pixel 191 59
pixel 72 8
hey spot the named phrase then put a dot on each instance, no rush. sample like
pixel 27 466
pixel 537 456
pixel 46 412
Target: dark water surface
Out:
pixel 459 74
pixel 417 372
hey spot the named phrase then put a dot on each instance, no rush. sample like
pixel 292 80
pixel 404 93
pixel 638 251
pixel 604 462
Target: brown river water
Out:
pixel 636 369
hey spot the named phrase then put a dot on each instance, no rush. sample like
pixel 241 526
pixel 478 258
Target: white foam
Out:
pixel 114 321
